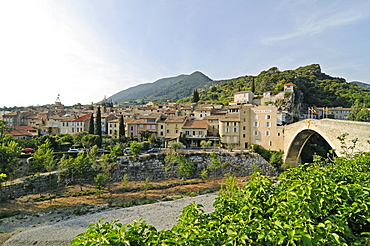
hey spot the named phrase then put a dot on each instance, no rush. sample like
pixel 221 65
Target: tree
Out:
pixel 91 124
pixel 81 168
pixel 42 159
pixel 3 128
pixel 231 146
pixel 205 144
pixel 196 96
pixel 355 109
pixel 89 140
pixel 134 149
pixel 77 138
pixel 176 145
pixel 359 112
pixel 186 169
pixel 253 86
pixel 145 134
pixel 121 130
pixel 9 158
pixel 98 127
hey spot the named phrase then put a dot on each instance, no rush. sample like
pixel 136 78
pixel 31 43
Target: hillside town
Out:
pixel 248 120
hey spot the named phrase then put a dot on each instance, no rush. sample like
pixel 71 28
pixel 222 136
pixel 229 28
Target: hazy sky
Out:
pixel 86 49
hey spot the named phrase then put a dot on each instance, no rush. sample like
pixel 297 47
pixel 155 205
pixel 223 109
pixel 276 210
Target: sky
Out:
pixel 84 50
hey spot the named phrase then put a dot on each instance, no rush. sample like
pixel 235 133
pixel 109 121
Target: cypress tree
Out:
pixel 98 126
pixel 121 130
pixel 253 85
pixel 91 124
pixel 196 96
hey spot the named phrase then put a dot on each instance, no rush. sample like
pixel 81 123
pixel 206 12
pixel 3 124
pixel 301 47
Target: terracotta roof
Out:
pixel 195 124
pixel 241 92
pixel 21 131
pixel 83 118
pixel 175 119
pixel 212 117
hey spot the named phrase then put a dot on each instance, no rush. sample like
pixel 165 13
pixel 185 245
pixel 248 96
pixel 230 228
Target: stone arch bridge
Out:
pixel 297 134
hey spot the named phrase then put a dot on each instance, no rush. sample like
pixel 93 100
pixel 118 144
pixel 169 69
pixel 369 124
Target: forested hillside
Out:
pixel 362 85
pixel 163 90
pixel 312 87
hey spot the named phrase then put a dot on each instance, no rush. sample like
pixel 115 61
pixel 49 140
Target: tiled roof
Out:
pixel 196 124
pixel 83 118
pixel 21 131
pixel 212 117
pixel 241 92
pixel 175 119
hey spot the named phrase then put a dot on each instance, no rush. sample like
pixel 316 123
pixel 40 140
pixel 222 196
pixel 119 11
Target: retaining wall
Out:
pixel 150 166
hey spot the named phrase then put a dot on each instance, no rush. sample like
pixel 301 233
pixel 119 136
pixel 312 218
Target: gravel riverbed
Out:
pixel 162 215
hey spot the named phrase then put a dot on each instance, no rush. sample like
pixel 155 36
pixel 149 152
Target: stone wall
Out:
pixel 152 167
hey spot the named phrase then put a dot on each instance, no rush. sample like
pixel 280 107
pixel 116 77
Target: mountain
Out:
pixel 312 88
pixel 166 89
pixel 362 85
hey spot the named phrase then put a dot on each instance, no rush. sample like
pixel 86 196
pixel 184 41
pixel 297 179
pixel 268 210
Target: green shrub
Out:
pixel 309 205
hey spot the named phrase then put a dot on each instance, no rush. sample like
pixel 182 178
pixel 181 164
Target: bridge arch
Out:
pixel 297 134
pixel 297 145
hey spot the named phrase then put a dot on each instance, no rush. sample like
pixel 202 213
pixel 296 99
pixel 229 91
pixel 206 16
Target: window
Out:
pixel 243 135
pixel 268 124
pixel 256 117
pixel 270 143
pixel 256 124
pixel 176 131
pixel 148 127
pixel 153 127
pixel 227 123
pixel 141 126
pixel 278 134
pixel 235 129
pixel 267 133
pixel 255 133
pixel 268 117
pixel 131 128
pixel 161 133
pixel 243 128
pixel 227 129
pixel 161 126
pixel 168 131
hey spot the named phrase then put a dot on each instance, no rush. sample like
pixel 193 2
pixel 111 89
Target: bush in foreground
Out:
pixel 311 205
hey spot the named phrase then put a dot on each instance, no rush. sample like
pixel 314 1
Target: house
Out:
pixel 289 87
pixel 243 97
pixel 143 123
pixel 195 131
pixel 171 127
pixel 22 132
pixel 229 129
pixel 73 124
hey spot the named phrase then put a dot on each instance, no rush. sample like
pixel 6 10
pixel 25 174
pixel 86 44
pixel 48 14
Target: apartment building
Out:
pixel 143 123
pixel 74 124
pixel 265 130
